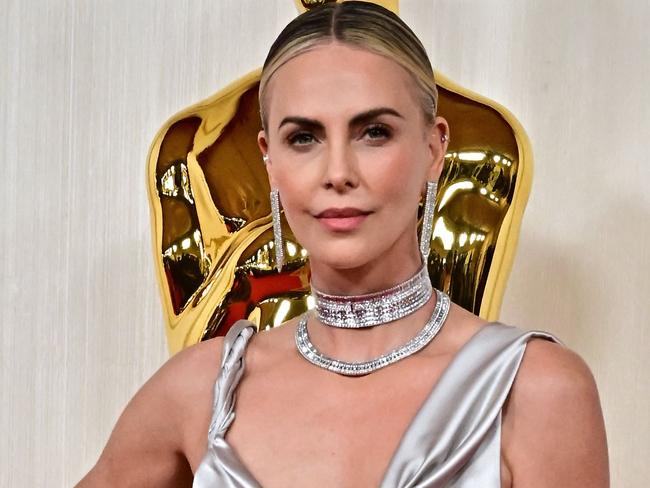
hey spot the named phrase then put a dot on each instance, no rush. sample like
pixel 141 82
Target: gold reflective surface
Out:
pixel 212 231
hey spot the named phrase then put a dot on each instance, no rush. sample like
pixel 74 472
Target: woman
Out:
pixel 351 142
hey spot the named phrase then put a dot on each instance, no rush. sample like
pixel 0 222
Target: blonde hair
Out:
pixel 361 24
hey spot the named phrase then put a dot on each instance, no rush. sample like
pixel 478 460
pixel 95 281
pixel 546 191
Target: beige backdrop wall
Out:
pixel 85 85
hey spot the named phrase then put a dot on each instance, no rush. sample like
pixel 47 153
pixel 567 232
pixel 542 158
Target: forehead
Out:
pixel 335 80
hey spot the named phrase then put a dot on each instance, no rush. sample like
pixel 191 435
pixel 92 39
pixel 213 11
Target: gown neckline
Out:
pixel 408 432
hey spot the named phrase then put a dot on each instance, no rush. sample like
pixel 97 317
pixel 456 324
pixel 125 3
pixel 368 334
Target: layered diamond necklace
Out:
pixel 360 311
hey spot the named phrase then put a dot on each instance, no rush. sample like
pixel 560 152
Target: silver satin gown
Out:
pixel 454 440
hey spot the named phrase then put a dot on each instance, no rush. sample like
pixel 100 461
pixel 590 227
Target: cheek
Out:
pixel 294 196
pixel 402 181
pixel 290 197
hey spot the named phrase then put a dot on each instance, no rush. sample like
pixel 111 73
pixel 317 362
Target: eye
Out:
pixel 300 138
pixel 378 131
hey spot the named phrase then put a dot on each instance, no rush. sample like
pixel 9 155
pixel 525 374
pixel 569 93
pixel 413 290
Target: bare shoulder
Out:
pixel 150 441
pixel 201 360
pixel 553 428
pixel 555 368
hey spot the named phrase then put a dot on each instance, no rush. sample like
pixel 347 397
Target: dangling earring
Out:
pixel 427 219
pixel 277 223
pixel 277 229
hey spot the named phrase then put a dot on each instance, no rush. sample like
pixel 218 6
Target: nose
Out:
pixel 341 170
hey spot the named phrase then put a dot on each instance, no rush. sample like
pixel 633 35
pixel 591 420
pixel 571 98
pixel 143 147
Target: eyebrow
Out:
pixel 358 119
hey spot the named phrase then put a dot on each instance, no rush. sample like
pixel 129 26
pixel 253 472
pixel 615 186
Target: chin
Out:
pixel 344 257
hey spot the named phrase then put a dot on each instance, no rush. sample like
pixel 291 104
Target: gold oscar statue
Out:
pixel 212 230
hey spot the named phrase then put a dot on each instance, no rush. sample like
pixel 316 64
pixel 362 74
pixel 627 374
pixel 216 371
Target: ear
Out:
pixel 437 147
pixel 263 143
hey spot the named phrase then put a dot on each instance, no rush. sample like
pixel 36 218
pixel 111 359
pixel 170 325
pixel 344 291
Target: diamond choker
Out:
pixel 357 311
pixel 347 368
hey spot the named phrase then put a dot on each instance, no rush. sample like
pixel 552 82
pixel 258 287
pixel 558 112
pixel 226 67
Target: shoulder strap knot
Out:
pixel 232 369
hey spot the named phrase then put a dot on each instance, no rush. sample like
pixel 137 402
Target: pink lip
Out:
pixel 342 219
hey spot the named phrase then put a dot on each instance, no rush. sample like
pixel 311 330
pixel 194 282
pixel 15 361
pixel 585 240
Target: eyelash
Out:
pixel 296 135
pixel 384 130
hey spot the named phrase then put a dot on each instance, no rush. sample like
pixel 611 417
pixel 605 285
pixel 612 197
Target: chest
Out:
pixel 331 433
pixel 304 430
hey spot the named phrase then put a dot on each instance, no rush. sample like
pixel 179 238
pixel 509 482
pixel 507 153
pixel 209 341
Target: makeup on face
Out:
pixel 342 219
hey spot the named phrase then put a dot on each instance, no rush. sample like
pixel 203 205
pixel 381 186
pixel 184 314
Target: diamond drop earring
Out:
pixel 277 223
pixel 277 229
pixel 427 219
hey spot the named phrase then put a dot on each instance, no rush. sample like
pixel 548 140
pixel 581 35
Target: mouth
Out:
pixel 342 219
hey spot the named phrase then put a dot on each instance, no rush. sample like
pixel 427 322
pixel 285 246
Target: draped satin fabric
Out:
pixel 454 441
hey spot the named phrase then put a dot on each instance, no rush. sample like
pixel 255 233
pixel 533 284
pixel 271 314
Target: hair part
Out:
pixel 361 24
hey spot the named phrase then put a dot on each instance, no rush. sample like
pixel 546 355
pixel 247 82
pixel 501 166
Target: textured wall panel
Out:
pixel 85 85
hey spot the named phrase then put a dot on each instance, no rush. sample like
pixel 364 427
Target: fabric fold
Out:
pixel 454 440
pixel 221 467
pixel 462 414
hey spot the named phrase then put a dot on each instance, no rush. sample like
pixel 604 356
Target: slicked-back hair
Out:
pixel 360 24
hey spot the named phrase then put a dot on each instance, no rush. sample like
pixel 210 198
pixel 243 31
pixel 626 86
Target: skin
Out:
pixel 299 425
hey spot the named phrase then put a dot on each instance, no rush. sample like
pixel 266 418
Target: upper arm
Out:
pixel 147 445
pixel 553 428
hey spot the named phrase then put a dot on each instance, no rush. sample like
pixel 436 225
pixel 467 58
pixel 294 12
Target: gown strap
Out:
pixel 221 465
pixel 454 439
pixel 232 369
